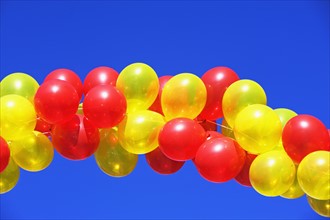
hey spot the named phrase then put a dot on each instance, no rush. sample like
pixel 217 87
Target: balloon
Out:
pixel 76 139
pixel 285 115
pixel 19 84
pixel 321 207
pixel 219 159
pixel 68 76
pixel 4 154
pixel 9 177
pixel 216 81
pixel 162 164
pixel 314 175
pixel 105 106
pixel 43 127
pixel 272 173
pixel 257 129
pixel 239 95
pixel 102 75
pixel 304 134
pixel 139 83
pixel 294 191
pixel 180 138
pixel 226 130
pixel 157 106
pixel 17 117
pixel 33 152
pixel 56 101
pixel 138 132
pixel 184 96
pixel 111 158
pixel 243 177
pixel 213 134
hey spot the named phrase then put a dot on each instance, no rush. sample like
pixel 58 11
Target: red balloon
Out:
pixel 243 177
pixel 213 134
pixel 56 101
pixel 4 154
pixel 304 134
pixel 76 139
pixel 68 76
pixel 162 164
pixel 219 159
pixel 102 75
pixel 180 138
pixel 216 81
pixel 157 106
pixel 43 127
pixel 105 106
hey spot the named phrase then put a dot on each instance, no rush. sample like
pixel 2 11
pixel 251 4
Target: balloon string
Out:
pixel 220 125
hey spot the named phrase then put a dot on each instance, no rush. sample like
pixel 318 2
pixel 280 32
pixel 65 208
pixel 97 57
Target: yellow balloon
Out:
pixel 9 177
pixel 138 132
pixel 321 207
pixel 111 158
pixel 257 129
pixel 294 191
pixel 314 175
pixel 272 173
pixel 239 95
pixel 17 117
pixel 33 152
pixel 20 84
pixel 226 130
pixel 285 115
pixel 184 95
pixel 139 83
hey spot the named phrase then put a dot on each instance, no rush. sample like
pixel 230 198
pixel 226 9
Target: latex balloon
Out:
pixel 321 207
pixel 257 129
pixel 285 115
pixel 304 134
pixel 68 76
pixel 219 159
pixel 102 75
pixel 294 191
pixel 184 95
pixel 138 132
pixel 314 175
pixel 139 83
pixel 111 158
pixel 239 95
pixel 162 164
pixel 213 134
pixel 43 127
pixel 19 84
pixel 9 177
pixel 180 138
pixel 17 117
pixel 216 81
pixel 4 154
pixel 157 106
pixel 56 101
pixel 243 177
pixel 105 106
pixel 272 173
pixel 33 152
pixel 76 139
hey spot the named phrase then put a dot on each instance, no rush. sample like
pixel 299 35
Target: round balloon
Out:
pixel 9 177
pixel 243 177
pixel 321 207
pixel 294 191
pixel 285 115
pixel 157 106
pixel 43 127
pixel 4 154
pixel 213 134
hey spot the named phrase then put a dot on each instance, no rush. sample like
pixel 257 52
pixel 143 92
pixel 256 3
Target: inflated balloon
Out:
pixel 239 95
pixel 17 117
pixel 9 177
pixel 219 159
pixel 216 81
pixel 43 126
pixel 56 101
pixel 243 177
pixel 76 139
pixel 105 106
pixel 321 207
pixel 184 95
pixel 19 84
pixel 111 158
pixel 139 83
pixel 213 134
pixel 285 115
pixel 180 138
pixel 294 191
pixel 138 132
pixel 304 134
pixel 314 175
pixel 257 129
pixel 272 173
pixel 68 76
pixel 33 152
pixel 102 75
pixel 157 105
pixel 162 164
pixel 4 154
pixel 226 130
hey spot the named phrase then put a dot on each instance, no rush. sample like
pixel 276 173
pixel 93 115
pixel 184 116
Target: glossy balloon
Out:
pixel 321 207
pixel 294 191
pixel 184 95
pixel 157 105
pixel 285 115
pixel 243 177
pixel 43 127
pixel 213 134
pixel 4 154
pixel 9 177
pixel 226 130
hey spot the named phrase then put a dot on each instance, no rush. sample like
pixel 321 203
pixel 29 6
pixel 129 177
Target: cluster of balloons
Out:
pixel 171 119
